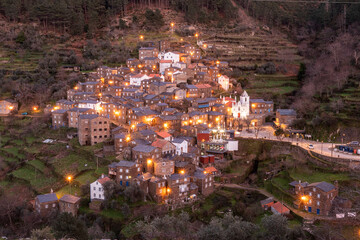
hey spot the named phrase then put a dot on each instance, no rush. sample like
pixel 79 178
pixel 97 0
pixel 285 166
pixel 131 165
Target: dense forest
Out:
pixel 77 17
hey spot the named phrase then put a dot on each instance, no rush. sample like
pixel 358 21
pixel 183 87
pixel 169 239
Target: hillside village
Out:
pixel 159 116
pixel 180 133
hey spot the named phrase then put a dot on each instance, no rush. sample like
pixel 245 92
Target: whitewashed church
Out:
pixel 240 109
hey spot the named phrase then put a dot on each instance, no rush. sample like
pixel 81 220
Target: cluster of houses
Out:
pixel 321 198
pixel 159 116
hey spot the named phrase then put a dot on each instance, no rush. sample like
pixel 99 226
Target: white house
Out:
pixel 136 79
pixel 224 82
pixel 92 104
pixel 181 145
pixel 97 188
pixel 164 64
pixel 173 56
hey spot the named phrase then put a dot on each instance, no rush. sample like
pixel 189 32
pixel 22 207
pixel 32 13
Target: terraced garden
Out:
pixel 27 161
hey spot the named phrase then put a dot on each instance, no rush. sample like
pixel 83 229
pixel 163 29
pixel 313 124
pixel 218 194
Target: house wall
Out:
pixel 97 191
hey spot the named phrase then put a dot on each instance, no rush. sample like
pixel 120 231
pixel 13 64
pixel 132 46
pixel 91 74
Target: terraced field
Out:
pixel 27 161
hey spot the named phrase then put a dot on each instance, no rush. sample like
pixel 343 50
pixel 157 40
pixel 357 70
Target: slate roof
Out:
pixel 294 183
pixel 213 113
pixel 266 201
pixel 181 164
pixel 76 109
pixel 178 140
pixel 144 148
pixel 50 197
pixel 286 112
pixel 70 198
pixel 324 186
pixel 88 116
pixel 119 136
pixel 177 176
pixel 60 111
pixel 199 175
pixel 147 132
pixel 260 101
pixel 122 163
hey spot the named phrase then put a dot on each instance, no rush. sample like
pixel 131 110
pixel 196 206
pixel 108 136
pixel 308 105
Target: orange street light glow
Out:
pixel 166 125
pixel 133 126
pixel 141 37
pixel 209 124
pixel 56 108
pixel 11 107
pixel 217 62
pixel 128 139
pixel 168 190
pixel 111 82
pixel 205 172
pixel 196 35
pixel 139 66
pixel 253 105
pixel 35 108
pixel 304 198
pixel 181 39
pixel 172 24
pixel 132 69
pixel 182 172
pixel 117 113
pixel 100 94
pixel 149 161
pixel 69 178
pixel 219 75
pixel 205 45
pixel 217 119
pixel 76 88
pixel 154 67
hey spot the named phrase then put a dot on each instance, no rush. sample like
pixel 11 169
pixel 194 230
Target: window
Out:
pixel 46 206
pixel 99 195
pixel 95 188
pixel 314 189
pixel 318 203
pixel 177 181
pixel 310 193
pixel 206 185
pixel 127 170
pixel 310 201
pixel 53 204
pixel 121 170
pixel 99 188
pixel 318 196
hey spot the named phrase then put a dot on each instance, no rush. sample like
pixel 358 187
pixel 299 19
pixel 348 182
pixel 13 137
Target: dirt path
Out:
pixel 304 215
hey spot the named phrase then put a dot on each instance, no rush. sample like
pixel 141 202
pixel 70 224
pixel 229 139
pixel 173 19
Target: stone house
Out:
pixel 316 197
pixel 179 187
pixel 59 118
pixel 163 167
pixel 46 204
pixel 145 52
pixel 124 172
pixel 93 129
pixel 204 181
pixel 69 204
pixel 285 117
pixel 260 106
pixel 204 90
pixel 74 113
pixel 142 153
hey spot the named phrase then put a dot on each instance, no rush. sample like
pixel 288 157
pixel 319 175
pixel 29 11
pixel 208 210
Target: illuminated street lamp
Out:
pixel 69 178
pixel 217 62
pixel 35 108
pixel 166 125
pixel 141 37
pixel 196 35
pixel 149 161
pixel 172 26
pixel 168 190
pixel 182 172
pixel 132 69
pixel 128 139
pixel 11 107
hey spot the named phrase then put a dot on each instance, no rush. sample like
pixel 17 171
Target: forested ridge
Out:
pixel 77 17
